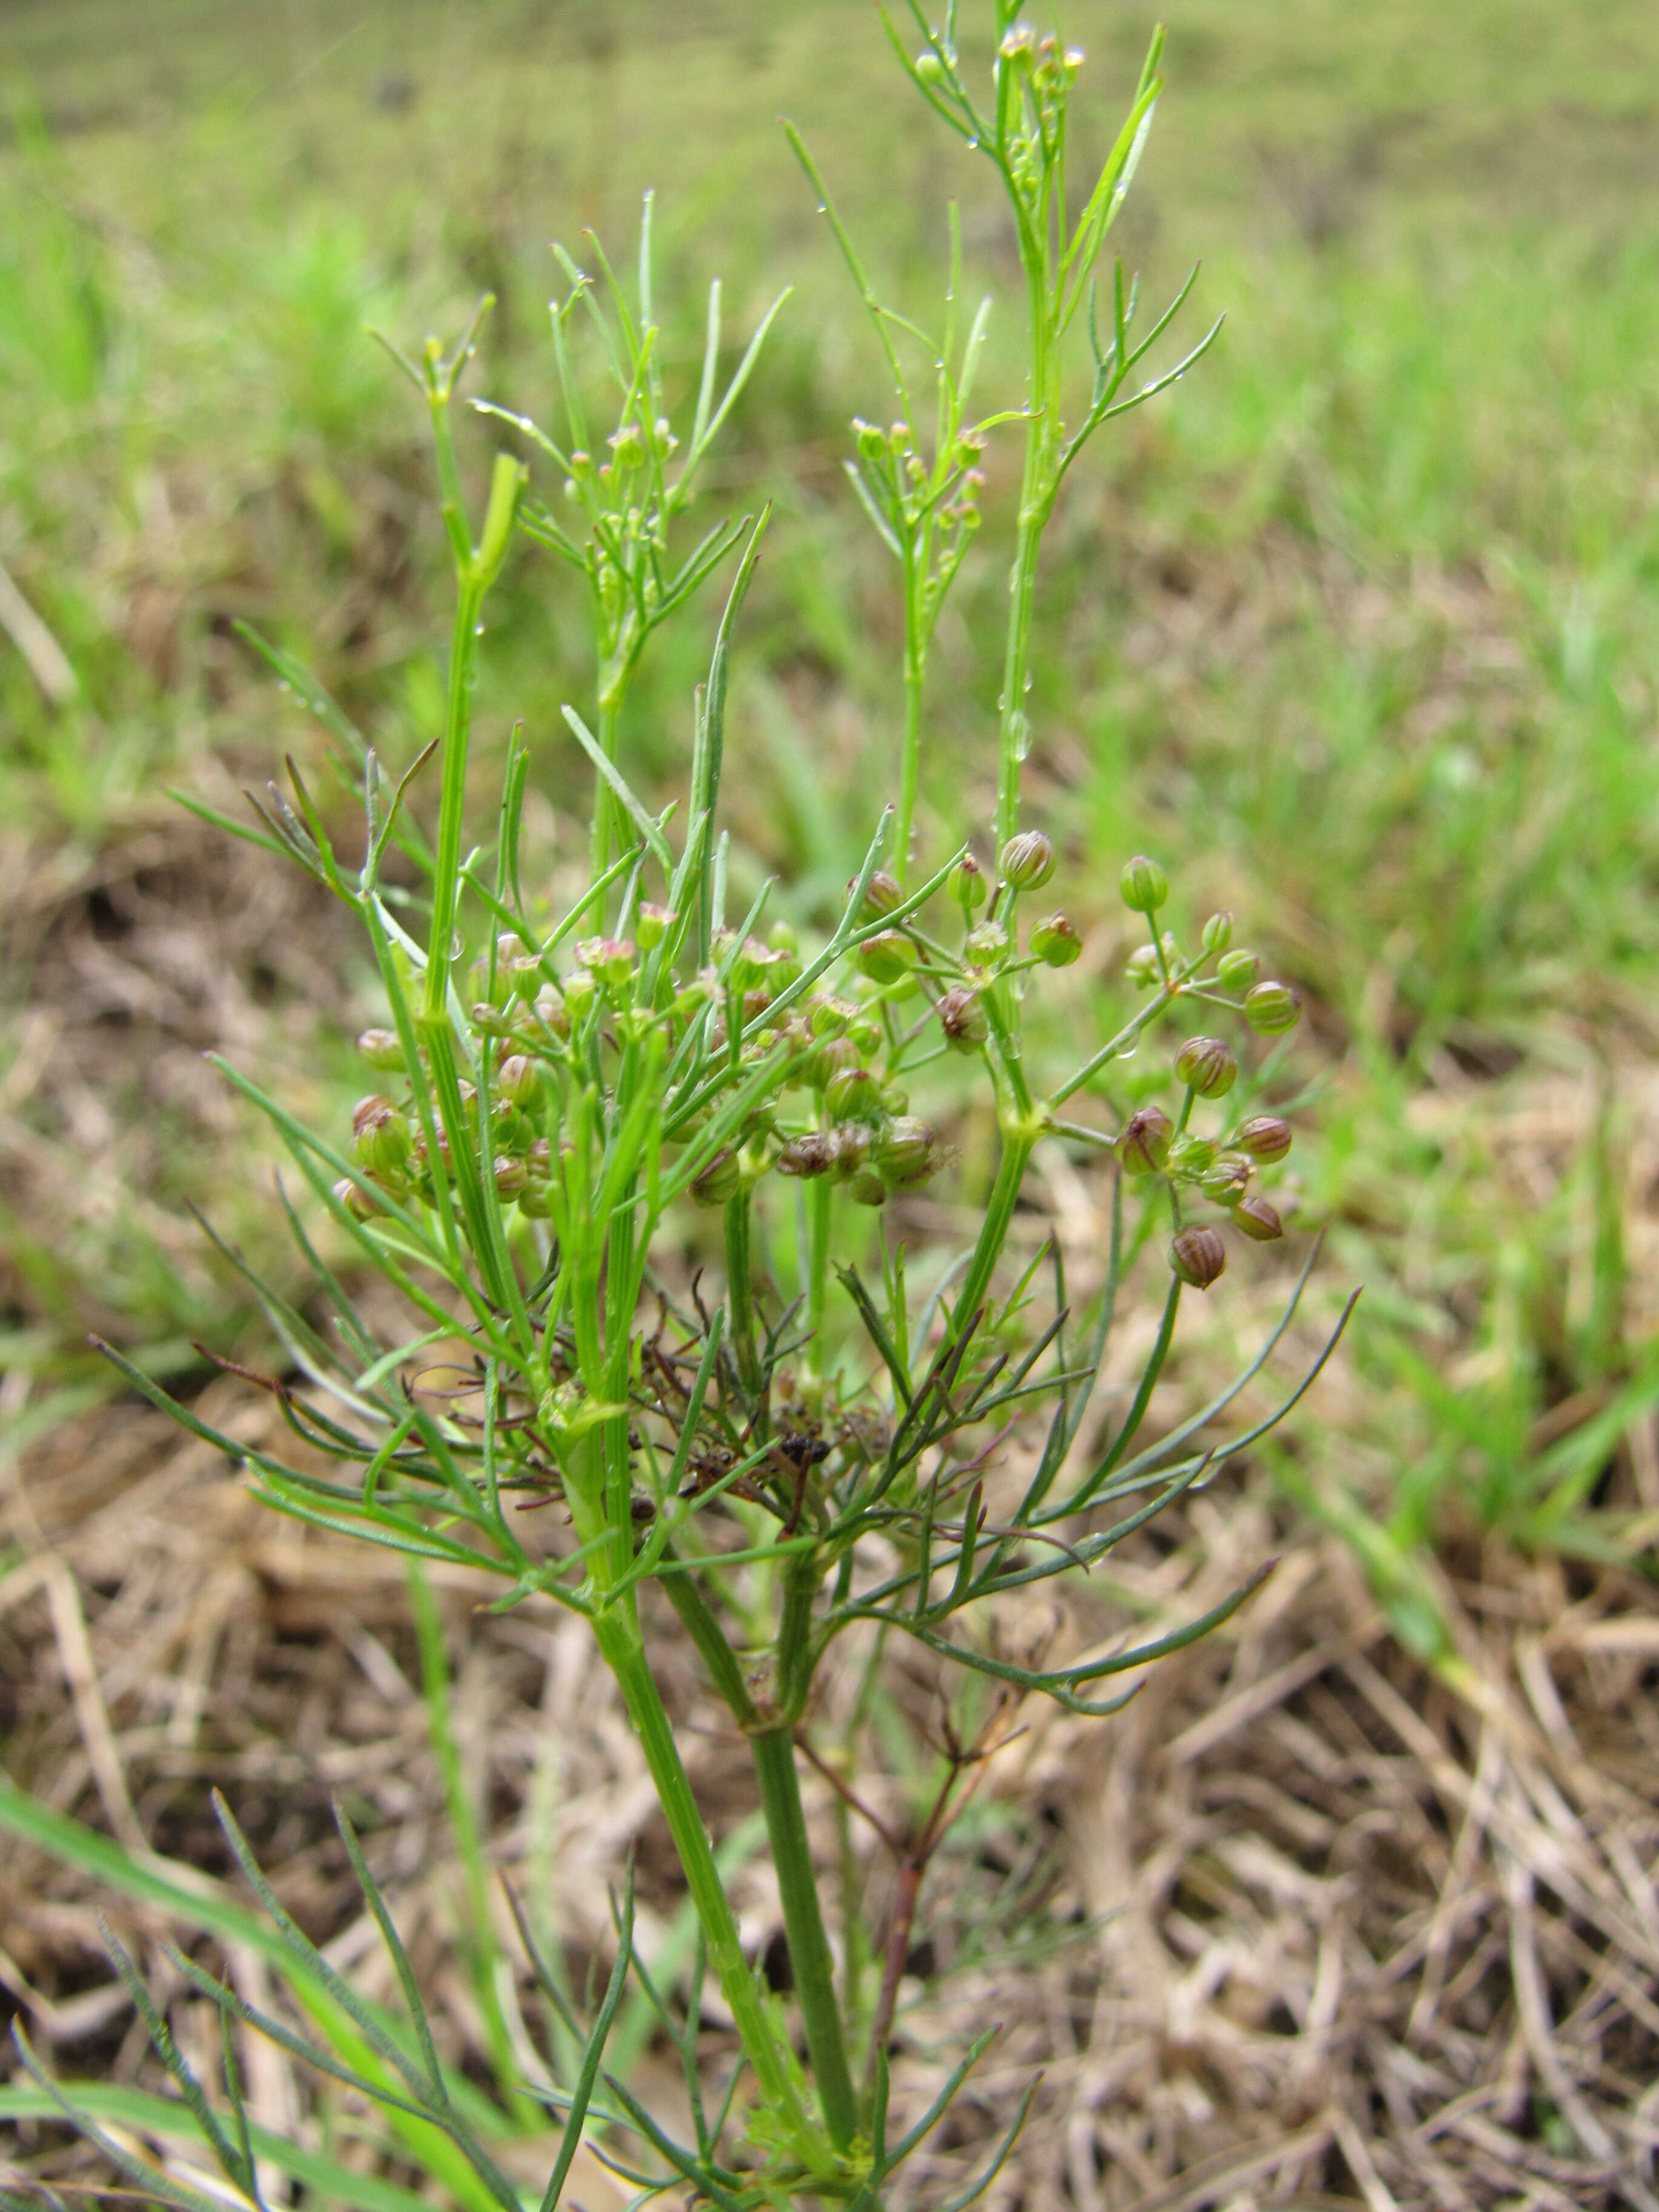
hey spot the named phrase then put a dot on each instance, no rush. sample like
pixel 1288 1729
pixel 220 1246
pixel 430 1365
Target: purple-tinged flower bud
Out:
pixel 1273 1008
pixel 488 1020
pixel 1259 1219
pixel 1264 1137
pixel 1027 861
pixel 1190 1157
pixel 895 1099
pixel 612 960
pixel 651 924
pixel 719 1180
pixel 1205 1066
pixel 1199 1257
pixel 962 1019
pixel 511 1176
pixel 518 1081
pixel 865 1032
pixel 1145 1143
pixel 872 440
pixel 1142 969
pixel 1237 971
pixel 1056 941
pixel 887 958
pixel 905 1152
pixel 853 1095
pixel 852 1148
pixel 381 1048
pixel 867 1188
pixel 1225 1182
pixel 536 1201
pixel 985 944
pixel 356 1199
pixel 368 1110
pixel 1217 931
pixel 813 1154
pixel 882 894
pixel 1143 885
pixel 829 1016
pixel 578 992
pixel 967 883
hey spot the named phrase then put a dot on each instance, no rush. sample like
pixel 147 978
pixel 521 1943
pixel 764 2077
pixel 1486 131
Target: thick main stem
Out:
pixel 624 1654
pixel 803 1924
pixel 739 1288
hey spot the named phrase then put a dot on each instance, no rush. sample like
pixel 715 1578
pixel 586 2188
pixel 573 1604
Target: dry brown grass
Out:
pixel 1325 1927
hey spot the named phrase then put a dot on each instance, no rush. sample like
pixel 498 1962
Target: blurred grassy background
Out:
pixel 1358 628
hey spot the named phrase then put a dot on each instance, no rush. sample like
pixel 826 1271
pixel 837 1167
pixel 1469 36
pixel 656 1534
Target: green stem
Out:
pixel 916 672
pixel 1018 1145
pixel 697 1616
pixel 612 683
pixel 739 1288
pixel 618 1633
pixel 808 1947
pixel 820 1204
pixel 446 872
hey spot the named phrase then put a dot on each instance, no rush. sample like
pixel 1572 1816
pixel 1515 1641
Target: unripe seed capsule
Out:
pixel 853 1095
pixel 1226 1180
pixel 1027 861
pixel 1143 885
pixel 962 1019
pixel 1056 941
pixel 882 894
pixel 1145 1143
pixel 535 1202
pixel 1265 1137
pixel 1191 1156
pixel 518 1081
pixel 887 957
pixel 1205 1065
pixel 1273 1008
pixel 369 1110
pixel 867 1188
pixel 1199 1257
pixel 383 1146
pixel 718 1179
pixel 1237 971
pixel 905 1151
pixel 380 1049
pixel 967 883
pixel 1259 1219
pixel 511 1176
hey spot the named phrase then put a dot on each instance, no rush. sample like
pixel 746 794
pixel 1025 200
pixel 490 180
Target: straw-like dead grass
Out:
pixel 1306 1925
